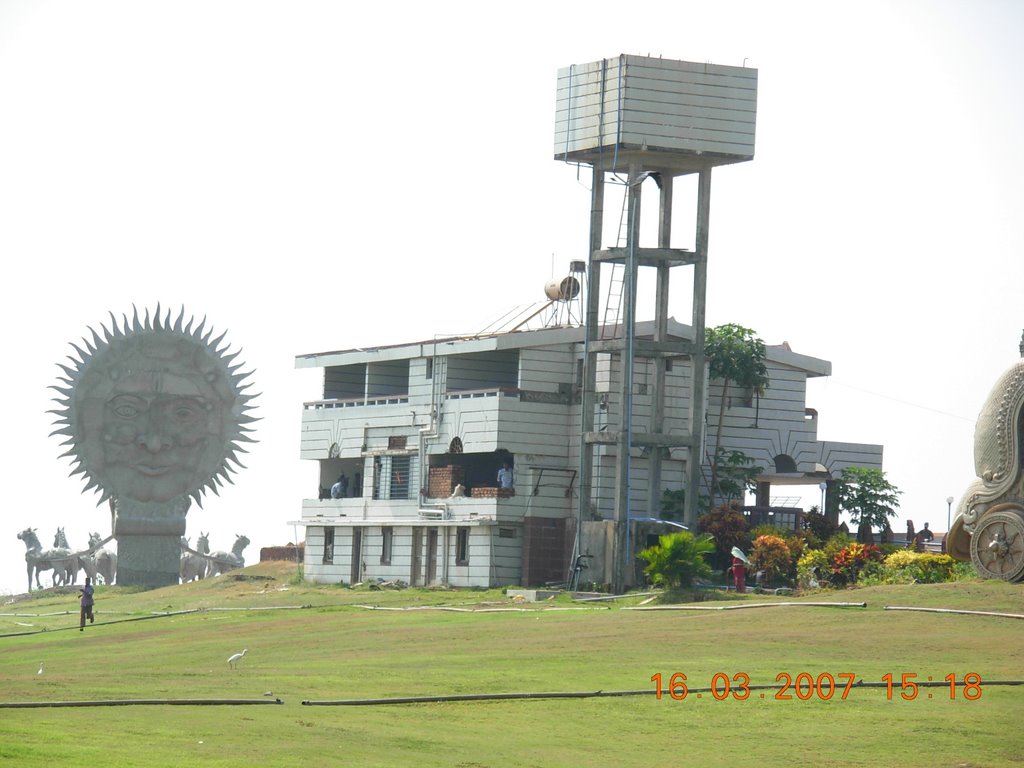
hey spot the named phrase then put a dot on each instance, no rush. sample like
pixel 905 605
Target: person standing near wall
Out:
pixel 505 478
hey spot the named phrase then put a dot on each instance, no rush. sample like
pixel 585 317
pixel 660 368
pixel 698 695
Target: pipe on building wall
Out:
pixel 423 506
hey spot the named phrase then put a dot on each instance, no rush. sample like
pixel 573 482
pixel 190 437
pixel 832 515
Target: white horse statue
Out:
pixel 104 561
pixel 222 562
pixel 36 560
pixel 194 563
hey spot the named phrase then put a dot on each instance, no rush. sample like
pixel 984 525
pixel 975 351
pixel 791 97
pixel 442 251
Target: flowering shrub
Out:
pixel 770 555
pixel 922 567
pixel 796 542
pixel 813 565
pixel 851 560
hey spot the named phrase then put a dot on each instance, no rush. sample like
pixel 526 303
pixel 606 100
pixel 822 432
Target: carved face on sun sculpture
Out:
pixel 153 411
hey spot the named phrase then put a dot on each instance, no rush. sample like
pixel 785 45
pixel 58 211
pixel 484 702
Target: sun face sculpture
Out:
pixel 153 411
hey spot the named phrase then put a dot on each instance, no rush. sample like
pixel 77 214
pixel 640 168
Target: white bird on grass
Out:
pixel 40 668
pixel 235 658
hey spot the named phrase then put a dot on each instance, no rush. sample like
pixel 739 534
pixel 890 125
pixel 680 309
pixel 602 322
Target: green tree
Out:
pixel 734 474
pixel 818 527
pixel 736 356
pixel 673 503
pixel 678 559
pixel 867 497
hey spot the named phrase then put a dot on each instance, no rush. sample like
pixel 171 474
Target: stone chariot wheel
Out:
pixel 997 546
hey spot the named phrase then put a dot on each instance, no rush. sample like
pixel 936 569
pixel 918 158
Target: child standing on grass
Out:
pixel 86 604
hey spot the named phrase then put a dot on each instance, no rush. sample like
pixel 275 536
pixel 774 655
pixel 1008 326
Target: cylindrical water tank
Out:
pixel 562 290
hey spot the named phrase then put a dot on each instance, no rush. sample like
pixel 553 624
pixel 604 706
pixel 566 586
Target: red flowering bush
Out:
pixel 728 528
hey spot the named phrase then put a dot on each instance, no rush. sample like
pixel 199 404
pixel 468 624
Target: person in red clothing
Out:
pixel 739 570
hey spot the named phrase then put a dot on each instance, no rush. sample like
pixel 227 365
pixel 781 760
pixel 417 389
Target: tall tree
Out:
pixel 736 356
pixel 867 496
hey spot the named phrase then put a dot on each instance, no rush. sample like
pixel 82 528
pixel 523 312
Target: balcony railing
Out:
pixel 472 394
pixel 526 396
pixel 355 402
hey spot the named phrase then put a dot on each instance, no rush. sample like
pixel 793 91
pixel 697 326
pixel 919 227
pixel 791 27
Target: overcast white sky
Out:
pixel 323 175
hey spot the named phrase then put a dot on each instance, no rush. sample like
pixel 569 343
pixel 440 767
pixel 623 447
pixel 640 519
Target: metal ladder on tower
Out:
pixel 616 282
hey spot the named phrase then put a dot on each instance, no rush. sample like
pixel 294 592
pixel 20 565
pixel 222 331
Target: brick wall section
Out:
pixel 441 481
pixel 490 492
pixel 282 553
pixel 543 550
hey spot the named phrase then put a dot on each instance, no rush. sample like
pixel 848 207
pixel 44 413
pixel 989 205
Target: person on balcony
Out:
pixel 340 488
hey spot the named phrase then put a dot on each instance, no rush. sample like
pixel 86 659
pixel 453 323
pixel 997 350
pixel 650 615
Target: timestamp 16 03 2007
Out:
pixel 823 686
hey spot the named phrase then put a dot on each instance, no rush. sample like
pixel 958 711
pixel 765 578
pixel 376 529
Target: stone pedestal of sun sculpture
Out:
pixel 153 413
pixel 989 526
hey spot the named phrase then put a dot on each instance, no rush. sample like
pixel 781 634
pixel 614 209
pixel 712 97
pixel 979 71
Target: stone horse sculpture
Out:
pixel 38 560
pixel 194 563
pixel 105 561
pixel 989 526
pixel 222 562
pixel 72 565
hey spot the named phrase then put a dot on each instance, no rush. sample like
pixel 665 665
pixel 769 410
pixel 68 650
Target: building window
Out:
pixel 462 546
pixel 506 533
pixel 328 546
pixel 744 398
pixel 430 367
pixel 399 478
pixel 386 535
pixel 738 397
pixel 785 464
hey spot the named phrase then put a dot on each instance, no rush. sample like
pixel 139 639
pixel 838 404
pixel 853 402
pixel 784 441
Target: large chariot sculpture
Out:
pixel 989 526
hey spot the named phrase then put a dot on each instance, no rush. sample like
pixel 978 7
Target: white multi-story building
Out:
pixel 421 430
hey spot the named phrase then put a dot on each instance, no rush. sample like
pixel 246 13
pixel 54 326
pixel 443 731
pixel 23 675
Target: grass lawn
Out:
pixel 315 643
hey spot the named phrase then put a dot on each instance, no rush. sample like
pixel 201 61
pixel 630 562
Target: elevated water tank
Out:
pixel 681 115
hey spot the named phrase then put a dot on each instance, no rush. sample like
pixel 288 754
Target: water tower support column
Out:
pixel 697 359
pixel 660 336
pixel 592 326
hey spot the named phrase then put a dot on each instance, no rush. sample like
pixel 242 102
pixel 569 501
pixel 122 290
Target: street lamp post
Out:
pixel 822 486
pixel 949 511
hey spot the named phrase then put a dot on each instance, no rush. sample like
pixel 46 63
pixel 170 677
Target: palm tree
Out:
pixel 678 559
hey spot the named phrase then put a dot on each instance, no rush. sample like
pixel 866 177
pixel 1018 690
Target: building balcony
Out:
pixel 383 512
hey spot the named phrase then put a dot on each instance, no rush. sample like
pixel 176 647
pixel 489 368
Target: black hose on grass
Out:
pixel 137 702
pixel 714 691
pixel 107 623
pixel 156 615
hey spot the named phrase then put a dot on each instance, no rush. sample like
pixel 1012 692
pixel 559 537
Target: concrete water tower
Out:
pixel 641 117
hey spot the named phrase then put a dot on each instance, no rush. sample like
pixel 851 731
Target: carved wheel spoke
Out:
pixel 997 546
